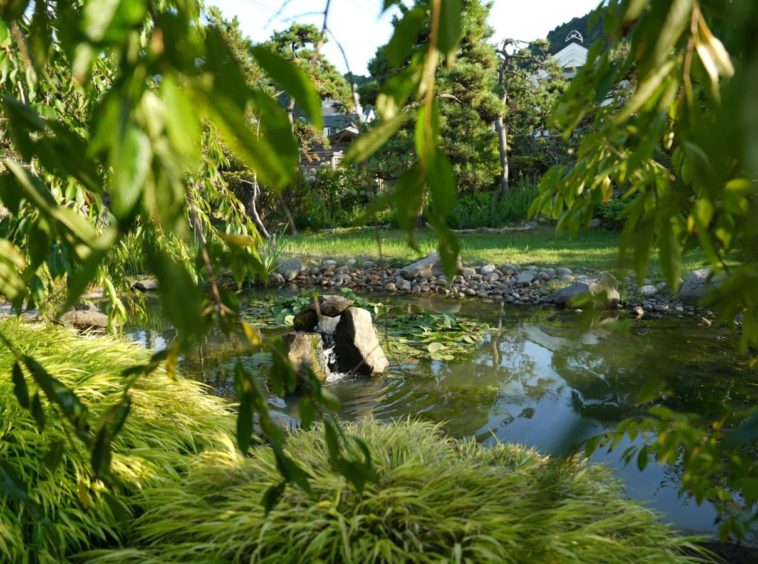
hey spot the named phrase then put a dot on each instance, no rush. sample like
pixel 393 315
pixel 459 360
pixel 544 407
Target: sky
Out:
pixel 360 29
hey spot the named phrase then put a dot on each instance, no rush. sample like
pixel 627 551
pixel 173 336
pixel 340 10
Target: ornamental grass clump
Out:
pixel 170 422
pixel 436 500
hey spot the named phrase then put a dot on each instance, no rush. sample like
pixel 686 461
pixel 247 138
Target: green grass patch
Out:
pixel 596 250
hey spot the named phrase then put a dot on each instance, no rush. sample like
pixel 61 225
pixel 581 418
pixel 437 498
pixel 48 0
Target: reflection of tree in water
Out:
pixel 608 370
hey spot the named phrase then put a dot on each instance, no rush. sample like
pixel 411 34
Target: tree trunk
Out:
pixel 502 137
pixel 502 131
pixel 291 113
pixel 252 208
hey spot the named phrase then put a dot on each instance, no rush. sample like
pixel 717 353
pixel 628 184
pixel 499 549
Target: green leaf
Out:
pixel 274 170
pixel 58 393
pixel 272 496
pixel 101 453
pixel 43 199
pixel 112 20
pixel 409 192
pixel 650 390
pixel 646 90
pixel 79 280
pixel 449 247
pixel 677 20
pixel 38 412
pixel 404 37
pixel 228 80
pixel 130 158
pixel 441 182
pixel 5 35
pixel 14 9
pixel 307 411
pixel 368 143
pixel 747 431
pixel 54 455
pixel 19 386
pixel 670 252
pixel 295 82
pixel 182 122
pixel 642 458
pixel 451 25
pixel 245 414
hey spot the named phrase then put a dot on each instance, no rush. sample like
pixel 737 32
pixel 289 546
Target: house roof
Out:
pixel 573 55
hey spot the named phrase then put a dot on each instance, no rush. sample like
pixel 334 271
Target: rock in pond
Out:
pixel 290 269
pixel 147 285
pixel 306 350
pixel 305 321
pixel 357 346
pixel 601 290
pixel 697 285
pixel 85 316
pixel 429 266
pixel 331 306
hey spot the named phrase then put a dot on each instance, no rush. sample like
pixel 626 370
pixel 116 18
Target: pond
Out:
pixel 539 377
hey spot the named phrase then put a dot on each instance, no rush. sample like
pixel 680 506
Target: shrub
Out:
pixel 330 199
pixel 437 500
pixel 489 209
pixel 613 214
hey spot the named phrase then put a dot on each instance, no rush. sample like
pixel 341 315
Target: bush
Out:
pixel 489 209
pixel 613 214
pixel 331 199
pixel 437 500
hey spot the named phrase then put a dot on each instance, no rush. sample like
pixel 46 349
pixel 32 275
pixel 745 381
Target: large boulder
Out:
pixel 600 290
pixel 431 265
pixel 697 285
pixel 356 344
pixel 306 350
pixel 290 268
pixel 83 317
pixel 331 306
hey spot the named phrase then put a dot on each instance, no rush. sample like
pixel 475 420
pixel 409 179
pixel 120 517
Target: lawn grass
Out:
pixel 591 250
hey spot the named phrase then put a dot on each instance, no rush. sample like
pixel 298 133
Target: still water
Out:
pixel 540 378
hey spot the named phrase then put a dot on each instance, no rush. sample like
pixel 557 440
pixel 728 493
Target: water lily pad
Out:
pixel 435 347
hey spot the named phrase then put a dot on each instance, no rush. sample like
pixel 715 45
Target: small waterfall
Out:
pixel 326 326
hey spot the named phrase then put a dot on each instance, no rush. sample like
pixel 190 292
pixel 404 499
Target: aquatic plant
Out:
pixel 67 509
pixel 406 336
pixel 437 500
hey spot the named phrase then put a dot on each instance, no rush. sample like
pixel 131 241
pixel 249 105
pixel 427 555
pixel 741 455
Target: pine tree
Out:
pixel 467 101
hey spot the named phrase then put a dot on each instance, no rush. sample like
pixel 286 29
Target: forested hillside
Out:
pixel 557 37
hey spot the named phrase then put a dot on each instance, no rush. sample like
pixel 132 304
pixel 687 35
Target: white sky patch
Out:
pixel 360 28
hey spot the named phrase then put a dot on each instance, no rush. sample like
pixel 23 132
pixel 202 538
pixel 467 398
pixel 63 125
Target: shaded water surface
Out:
pixel 541 378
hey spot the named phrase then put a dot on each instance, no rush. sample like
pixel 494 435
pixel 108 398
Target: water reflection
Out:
pixel 541 378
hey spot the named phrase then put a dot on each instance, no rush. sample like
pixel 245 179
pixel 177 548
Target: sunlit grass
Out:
pixel 169 422
pixel 437 500
pixel 590 250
